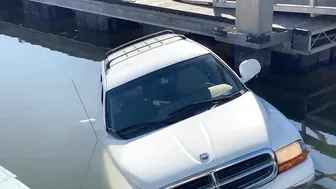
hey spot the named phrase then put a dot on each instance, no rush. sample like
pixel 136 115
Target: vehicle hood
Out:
pixel 236 128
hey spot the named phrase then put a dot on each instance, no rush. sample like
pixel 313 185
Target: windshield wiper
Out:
pixel 205 103
pixel 175 116
pixel 139 129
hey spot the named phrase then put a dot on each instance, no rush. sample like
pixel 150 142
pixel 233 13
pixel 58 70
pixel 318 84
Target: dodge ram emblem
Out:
pixel 204 156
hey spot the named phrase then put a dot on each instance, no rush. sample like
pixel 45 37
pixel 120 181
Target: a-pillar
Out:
pixel 254 17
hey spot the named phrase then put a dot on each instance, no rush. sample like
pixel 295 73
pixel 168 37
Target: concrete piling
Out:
pixel 255 18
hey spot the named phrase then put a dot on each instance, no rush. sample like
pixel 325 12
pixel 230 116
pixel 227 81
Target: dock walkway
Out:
pixel 295 33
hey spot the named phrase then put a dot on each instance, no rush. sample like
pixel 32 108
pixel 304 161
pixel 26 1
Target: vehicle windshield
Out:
pixel 149 102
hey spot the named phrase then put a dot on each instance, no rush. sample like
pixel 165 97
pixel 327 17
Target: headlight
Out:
pixel 291 155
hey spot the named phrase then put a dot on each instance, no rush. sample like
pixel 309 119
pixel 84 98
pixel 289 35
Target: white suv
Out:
pixel 178 117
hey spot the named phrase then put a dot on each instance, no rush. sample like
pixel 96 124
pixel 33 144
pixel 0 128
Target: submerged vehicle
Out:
pixel 177 116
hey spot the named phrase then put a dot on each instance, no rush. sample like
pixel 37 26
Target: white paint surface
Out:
pixel 9 181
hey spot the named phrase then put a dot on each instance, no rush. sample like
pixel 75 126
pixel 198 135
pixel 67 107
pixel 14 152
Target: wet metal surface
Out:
pixel 47 137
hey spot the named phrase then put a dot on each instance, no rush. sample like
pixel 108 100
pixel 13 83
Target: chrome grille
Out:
pixel 204 182
pixel 249 171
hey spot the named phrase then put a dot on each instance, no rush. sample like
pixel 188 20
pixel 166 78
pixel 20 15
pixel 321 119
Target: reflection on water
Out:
pixel 41 137
pixel 46 137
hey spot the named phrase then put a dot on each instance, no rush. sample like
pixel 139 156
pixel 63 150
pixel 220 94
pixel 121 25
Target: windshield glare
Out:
pixel 151 98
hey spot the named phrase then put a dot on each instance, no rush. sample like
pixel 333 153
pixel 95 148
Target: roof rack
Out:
pixel 107 66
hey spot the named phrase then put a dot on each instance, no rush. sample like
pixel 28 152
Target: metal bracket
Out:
pixel 230 35
pixel 220 31
pixel 302 32
pixel 258 39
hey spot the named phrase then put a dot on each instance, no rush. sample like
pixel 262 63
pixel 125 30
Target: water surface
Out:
pixel 48 142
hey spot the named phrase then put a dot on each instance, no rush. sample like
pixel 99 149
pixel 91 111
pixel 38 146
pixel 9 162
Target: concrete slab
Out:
pixel 197 19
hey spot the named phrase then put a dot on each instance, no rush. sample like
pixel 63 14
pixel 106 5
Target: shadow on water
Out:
pixel 306 98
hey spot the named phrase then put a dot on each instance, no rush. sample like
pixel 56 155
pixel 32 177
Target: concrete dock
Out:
pixel 254 32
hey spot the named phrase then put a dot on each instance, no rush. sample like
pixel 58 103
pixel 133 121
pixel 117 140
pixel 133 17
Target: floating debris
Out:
pixel 92 121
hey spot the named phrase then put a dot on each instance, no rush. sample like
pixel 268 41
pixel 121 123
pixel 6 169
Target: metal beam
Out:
pixel 271 39
pixel 317 10
pixel 308 9
pixel 325 29
pixel 312 6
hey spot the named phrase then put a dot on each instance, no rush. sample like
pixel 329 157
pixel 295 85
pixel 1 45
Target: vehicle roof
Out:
pixel 150 59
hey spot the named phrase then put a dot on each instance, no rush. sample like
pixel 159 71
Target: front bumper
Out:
pixel 301 176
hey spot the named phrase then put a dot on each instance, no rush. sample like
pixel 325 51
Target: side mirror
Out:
pixel 248 69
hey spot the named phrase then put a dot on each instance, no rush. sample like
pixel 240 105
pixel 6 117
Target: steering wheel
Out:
pixel 206 84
